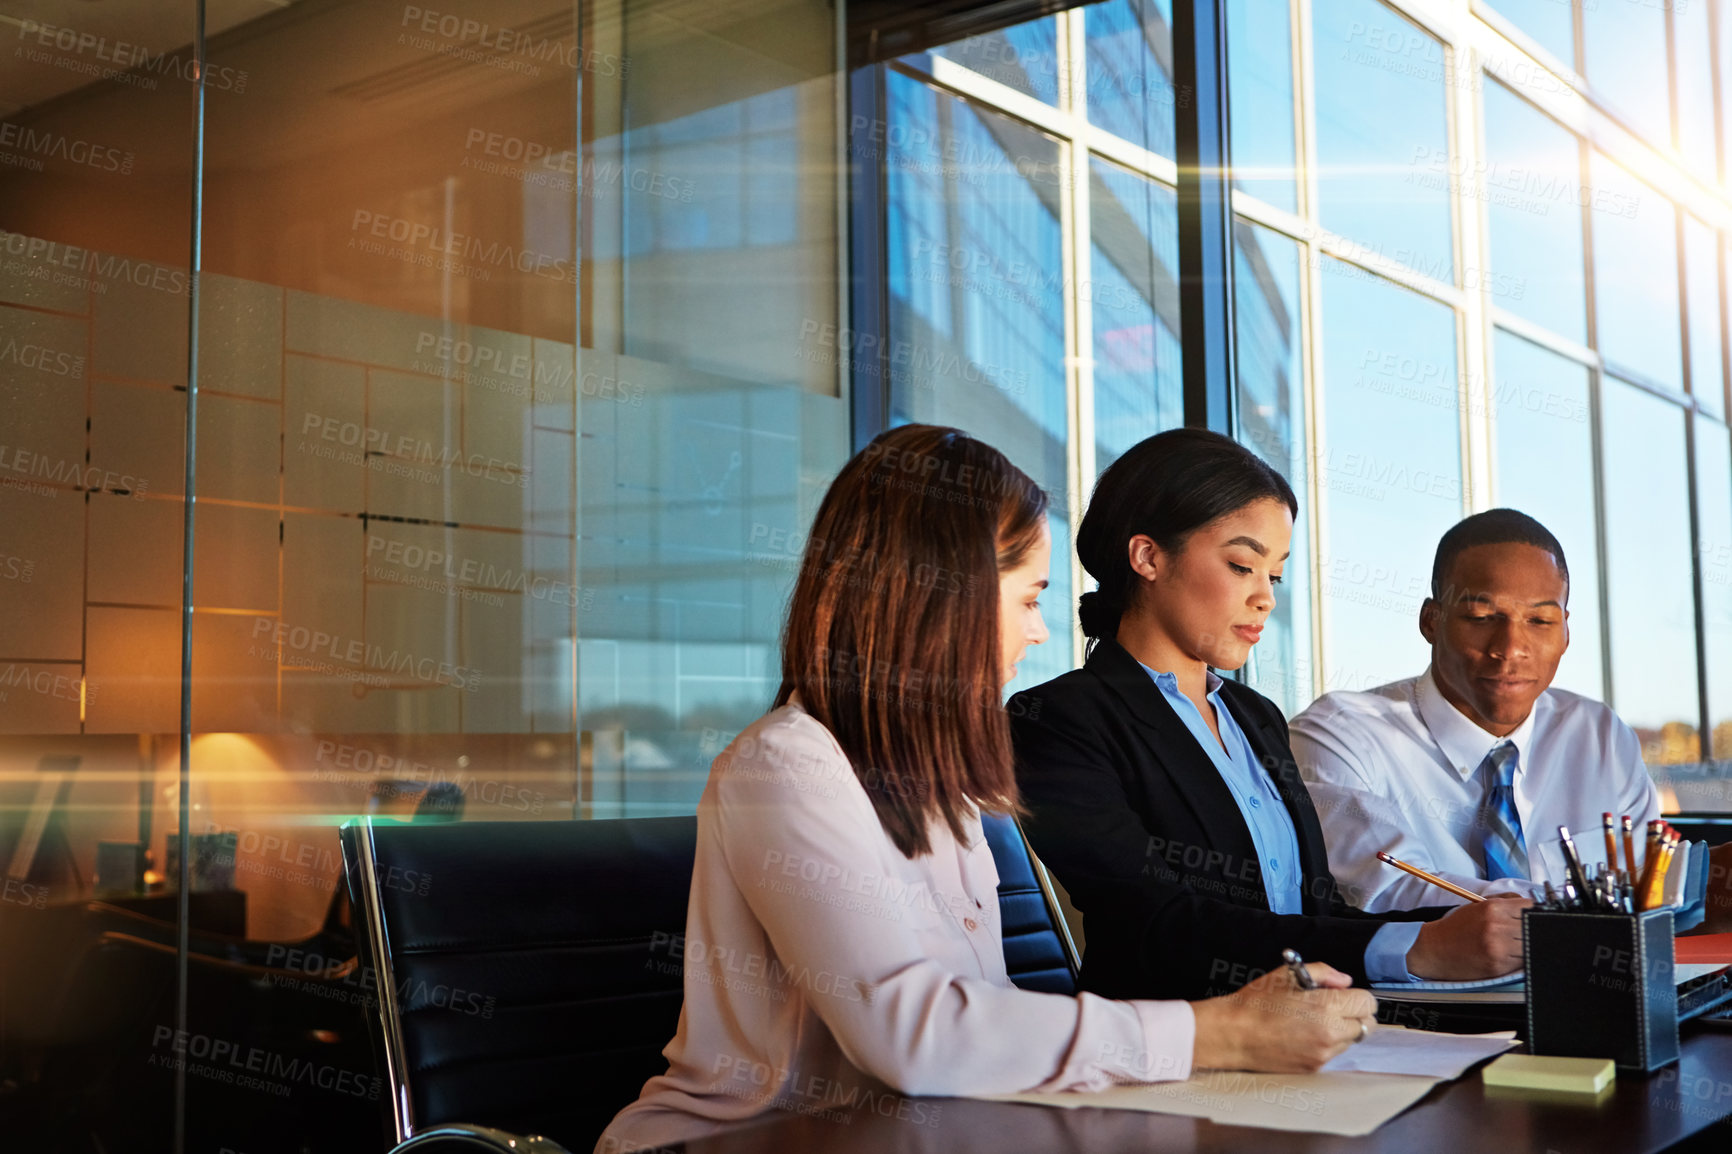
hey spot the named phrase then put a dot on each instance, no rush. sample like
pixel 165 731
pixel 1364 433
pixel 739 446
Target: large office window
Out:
pixel 1722 18
pixel 1032 258
pixel 1130 72
pixel 1261 95
pixel 1714 553
pixel 1268 324
pixel 1702 302
pixel 1533 214
pixel 1648 562
pixel 1023 57
pixel 1388 470
pixel 1548 22
pixel 1693 44
pixel 1133 294
pixel 1512 297
pixel 1636 275
pixel 1383 155
pixel 1624 47
pixel 1460 282
pixel 1713 400
pixel 975 302
pixel 1545 467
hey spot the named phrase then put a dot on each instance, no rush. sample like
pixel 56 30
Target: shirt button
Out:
pixel 1274 864
pixel 970 924
pixel 1256 803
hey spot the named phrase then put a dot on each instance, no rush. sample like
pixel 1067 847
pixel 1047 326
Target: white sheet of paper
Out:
pixel 1395 1050
pixel 1689 971
pixel 1321 1103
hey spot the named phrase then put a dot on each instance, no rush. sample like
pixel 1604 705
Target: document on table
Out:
pixel 1346 1104
pixel 1394 1050
pixel 1350 1100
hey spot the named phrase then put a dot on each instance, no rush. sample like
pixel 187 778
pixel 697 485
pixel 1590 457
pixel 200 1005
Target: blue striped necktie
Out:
pixel 1505 851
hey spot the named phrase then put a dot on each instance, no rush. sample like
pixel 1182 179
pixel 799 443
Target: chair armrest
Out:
pixel 455 1137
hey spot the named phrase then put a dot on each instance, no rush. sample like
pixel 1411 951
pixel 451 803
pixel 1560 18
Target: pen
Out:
pixel 1296 967
pixel 1386 859
pixel 1574 863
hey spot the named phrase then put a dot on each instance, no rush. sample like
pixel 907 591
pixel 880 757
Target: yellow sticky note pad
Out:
pixel 1569 1075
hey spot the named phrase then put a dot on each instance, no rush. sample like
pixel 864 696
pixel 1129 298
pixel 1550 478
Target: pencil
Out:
pixel 1650 860
pixel 1629 824
pixel 1654 895
pixel 1425 877
pixel 1611 827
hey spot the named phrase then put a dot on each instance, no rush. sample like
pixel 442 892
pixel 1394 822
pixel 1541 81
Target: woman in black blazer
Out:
pixel 1165 799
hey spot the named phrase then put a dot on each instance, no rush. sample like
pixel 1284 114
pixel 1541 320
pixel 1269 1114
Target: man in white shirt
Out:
pixel 1468 770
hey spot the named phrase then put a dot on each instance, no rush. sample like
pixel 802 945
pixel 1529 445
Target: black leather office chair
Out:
pixel 520 980
pixel 1038 951
pixel 529 975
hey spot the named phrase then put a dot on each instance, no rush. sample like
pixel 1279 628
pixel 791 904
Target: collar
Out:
pixel 1463 742
pixel 1169 682
pixel 1129 680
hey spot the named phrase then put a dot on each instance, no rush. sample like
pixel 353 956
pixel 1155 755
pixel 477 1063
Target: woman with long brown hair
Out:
pixel 842 940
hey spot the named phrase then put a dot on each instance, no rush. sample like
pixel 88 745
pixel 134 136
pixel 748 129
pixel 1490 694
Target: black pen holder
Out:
pixel 1599 985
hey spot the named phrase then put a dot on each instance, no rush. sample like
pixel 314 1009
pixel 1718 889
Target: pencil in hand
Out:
pixel 1459 892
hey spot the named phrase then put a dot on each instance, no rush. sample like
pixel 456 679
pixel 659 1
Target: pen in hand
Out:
pixel 1296 967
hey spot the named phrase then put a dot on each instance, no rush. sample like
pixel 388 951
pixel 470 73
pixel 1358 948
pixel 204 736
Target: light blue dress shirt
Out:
pixel 1271 825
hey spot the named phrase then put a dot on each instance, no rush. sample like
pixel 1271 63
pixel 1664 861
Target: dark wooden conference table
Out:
pixel 1687 1107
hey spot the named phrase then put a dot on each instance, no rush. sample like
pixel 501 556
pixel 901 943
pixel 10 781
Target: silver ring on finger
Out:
pixel 1364 1032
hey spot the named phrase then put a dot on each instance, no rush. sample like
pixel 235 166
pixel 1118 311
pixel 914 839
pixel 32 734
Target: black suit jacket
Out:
pixel 1130 814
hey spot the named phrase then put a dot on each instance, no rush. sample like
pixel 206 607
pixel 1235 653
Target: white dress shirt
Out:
pixel 826 972
pixel 1397 768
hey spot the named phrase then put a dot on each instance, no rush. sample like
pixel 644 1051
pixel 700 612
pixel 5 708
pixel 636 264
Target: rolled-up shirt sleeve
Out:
pixel 811 867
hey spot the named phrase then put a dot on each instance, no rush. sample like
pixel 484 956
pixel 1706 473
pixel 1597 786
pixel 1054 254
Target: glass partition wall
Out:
pixel 505 448
pixel 96 241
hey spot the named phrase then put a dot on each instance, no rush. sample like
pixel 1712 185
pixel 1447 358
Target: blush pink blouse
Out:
pixel 826 972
